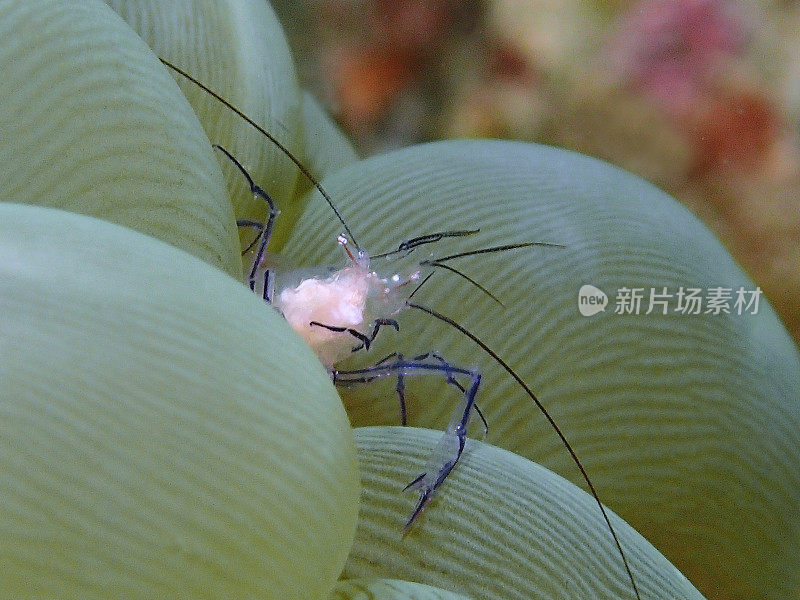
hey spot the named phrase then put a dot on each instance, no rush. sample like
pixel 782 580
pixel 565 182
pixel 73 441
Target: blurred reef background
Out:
pixel 700 97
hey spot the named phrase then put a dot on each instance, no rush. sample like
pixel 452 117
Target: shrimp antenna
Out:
pixel 463 276
pixel 550 420
pixel 429 238
pixel 492 249
pixel 440 262
pixel 272 139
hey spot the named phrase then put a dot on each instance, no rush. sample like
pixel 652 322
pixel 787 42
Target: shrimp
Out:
pixel 341 311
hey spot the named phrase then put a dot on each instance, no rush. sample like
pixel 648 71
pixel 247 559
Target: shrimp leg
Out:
pixel 264 230
pixel 366 340
pixel 450 447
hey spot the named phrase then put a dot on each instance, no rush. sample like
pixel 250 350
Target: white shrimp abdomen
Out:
pixel 339 301
pixel 350 299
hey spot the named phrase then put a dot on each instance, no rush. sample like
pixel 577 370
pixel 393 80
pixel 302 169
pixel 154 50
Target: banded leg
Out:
pixel 264 229
pixel 366 340
pixel 400 385
pixel 454 382
pixel 450 447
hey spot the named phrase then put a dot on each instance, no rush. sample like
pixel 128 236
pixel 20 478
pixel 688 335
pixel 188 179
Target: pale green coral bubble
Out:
pixel 326 147
pixel 500 527
pixel 689 425
pixel 163 432
pixel 389 589
pixel 91 123
pixel 238 49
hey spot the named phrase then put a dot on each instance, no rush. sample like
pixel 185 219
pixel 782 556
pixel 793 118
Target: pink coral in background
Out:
pixel 671 50
pixel 687 57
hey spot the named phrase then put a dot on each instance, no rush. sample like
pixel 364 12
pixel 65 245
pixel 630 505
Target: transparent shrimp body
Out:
pixel 332 310
pixel 325 309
